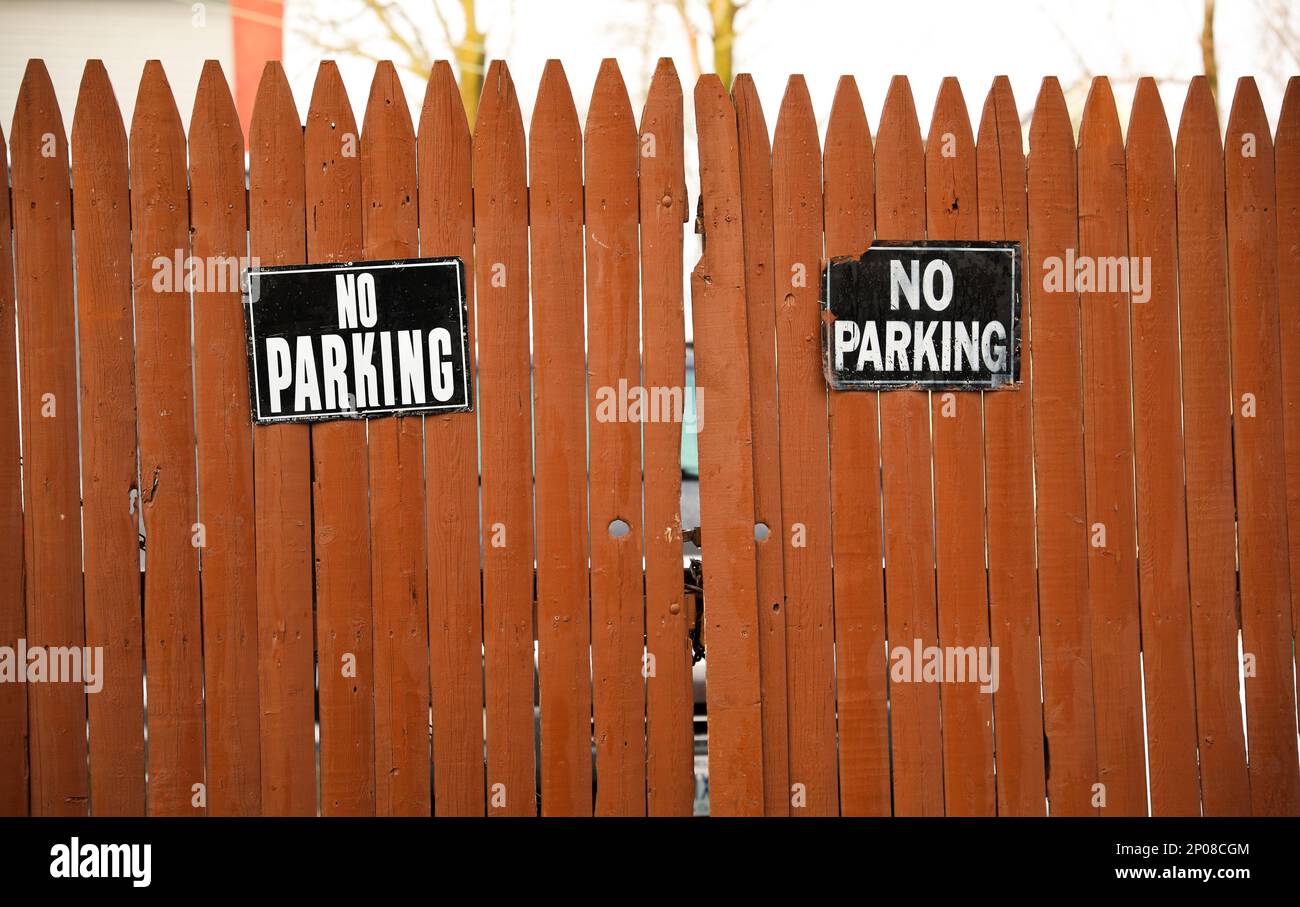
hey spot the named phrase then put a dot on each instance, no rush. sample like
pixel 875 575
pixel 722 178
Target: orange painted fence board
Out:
pixel 42 250
pixel 225 455
pixel 1093 525
pixel 726 467
pixel 173 644
pixel 1009 480
pixel 505 420
pixel 1257 404
pixel 1286 155
pixel 957 427
pixel 1069 745
pixel 282 482
pixel 1207 448
pixel 805 454
pixel 760 317
pixel 905 445
pixel 862 695
pixel 451 445
pixel 13 697
pixel 559 394
pixel 669 690
pixel 610 150
pixel 1157 425
pixel 401 637
pixel 1108 463
pixel 101 208
pixel 340 494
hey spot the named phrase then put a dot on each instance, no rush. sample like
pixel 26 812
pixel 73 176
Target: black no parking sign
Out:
pixel 358 339
pixel 932 315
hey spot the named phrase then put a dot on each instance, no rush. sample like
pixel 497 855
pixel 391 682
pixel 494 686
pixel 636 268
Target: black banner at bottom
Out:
pixel 683 858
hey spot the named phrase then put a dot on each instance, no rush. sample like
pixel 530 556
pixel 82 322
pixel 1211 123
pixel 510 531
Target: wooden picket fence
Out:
pixel 341 618
pixel 1011 519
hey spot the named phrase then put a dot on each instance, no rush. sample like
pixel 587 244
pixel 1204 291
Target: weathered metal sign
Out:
pixel 935 315
pixel 359 339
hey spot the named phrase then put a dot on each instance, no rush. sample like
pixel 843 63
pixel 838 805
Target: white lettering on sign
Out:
pixel 356 295
pixel 909 282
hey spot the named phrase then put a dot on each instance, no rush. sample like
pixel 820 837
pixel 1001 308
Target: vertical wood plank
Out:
pixel 48 380
pixel 340 497
pixel 669 691
pixel 13 620
pixel 505 420
pixel 908 506
pixel 1108 460
pixel 726 467
pixel 861 668
pixel 173 647
pixel 1265 581
pixel 617 608
pixel 1009 480
pixel 1157 425
pixel 1207 425
pixel 391 230
pixel 559 392
pixel 1287 160
pixel 805 484
pixel 1068 723
pixel 451 444
pixel 282 481
pixel 225 453
pixel 952 213
pixel 106 338
pixel 760 296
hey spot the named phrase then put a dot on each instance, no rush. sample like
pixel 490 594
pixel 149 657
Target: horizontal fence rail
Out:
pixel 469 614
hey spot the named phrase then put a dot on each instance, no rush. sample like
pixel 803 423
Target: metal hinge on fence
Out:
pixel 694 593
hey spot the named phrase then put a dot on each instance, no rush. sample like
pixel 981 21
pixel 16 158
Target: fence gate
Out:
pixel 486 613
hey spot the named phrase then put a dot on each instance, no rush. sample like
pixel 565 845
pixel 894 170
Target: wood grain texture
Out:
pixel 617 607
pixel 173 643
pixel 282 481
pixel 397 537
pixel 760 296
pixel 225 453
pixel 1157 424
pixel 48 383
pixel 1068 722
pixel 862 686
pixel 1287 166
pixel 805 455
pixel 446 208
pixel 670 786
pixel 1009 480
pixel 340 497
pixel 505 421
pixel 1207 445
pixel 1264 573
pixel 1108 461
pixel 110 509
pixel 726 467
pixel 952 213
pixel 13 617
pixel 559 392
pixel 908 505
